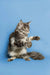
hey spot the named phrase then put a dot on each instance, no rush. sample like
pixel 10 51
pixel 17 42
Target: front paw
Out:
pixel 36 38
pixel 29 44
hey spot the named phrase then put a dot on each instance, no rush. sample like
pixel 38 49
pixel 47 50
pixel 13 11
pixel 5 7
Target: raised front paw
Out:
pixel 36 38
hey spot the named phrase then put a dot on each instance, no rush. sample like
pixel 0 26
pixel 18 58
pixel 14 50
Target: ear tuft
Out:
pixel 21 21
pixel 29 22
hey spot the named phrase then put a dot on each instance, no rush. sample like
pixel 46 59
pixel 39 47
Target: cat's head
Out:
pixel 23 26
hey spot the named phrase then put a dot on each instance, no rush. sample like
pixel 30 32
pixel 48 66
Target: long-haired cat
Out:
pixel 19 42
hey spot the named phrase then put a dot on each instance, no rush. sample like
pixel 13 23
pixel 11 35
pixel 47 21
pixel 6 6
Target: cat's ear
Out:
pixel 29 22
pixel 21 21
pixel 20 24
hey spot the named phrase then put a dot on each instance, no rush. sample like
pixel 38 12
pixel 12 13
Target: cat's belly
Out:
pixel 18 51
pixel 23 51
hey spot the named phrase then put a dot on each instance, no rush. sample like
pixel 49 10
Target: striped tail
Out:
pixel 35 55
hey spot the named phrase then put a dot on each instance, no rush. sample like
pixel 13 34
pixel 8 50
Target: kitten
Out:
pixel 19 42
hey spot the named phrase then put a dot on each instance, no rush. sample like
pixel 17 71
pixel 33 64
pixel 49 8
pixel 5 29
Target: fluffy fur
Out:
pixel 19 42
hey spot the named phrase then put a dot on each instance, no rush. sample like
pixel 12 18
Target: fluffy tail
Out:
pixel 35 55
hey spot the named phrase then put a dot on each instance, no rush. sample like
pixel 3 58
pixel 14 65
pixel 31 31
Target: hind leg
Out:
pixel 11 59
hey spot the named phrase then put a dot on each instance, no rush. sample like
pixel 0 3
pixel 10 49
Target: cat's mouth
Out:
pixel 25 31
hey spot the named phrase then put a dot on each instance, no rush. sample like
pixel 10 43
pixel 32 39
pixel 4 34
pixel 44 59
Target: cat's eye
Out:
pixel 26 26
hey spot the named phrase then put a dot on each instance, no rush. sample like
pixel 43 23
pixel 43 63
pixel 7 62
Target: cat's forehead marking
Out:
pixel 27 23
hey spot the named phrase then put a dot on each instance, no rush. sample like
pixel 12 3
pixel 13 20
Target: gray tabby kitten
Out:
pixel 19 42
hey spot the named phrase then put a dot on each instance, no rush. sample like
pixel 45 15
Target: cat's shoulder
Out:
pixel 12 35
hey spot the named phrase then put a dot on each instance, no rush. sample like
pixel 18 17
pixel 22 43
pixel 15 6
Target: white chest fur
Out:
pixel 12 40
